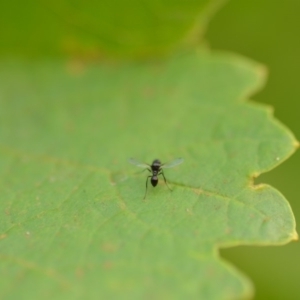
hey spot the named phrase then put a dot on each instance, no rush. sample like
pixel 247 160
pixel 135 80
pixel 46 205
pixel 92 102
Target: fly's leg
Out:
pixel 146 186
pixel 162 173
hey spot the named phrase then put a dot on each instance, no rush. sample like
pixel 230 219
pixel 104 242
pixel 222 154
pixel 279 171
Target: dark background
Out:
pixel 269 32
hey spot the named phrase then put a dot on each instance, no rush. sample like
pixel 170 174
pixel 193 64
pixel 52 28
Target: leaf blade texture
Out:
pixel 74 221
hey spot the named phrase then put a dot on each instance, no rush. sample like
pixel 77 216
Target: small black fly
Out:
pixel 156 169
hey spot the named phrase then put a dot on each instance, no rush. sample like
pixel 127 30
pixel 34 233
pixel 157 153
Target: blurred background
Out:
pixel 266 31
pixel 269 32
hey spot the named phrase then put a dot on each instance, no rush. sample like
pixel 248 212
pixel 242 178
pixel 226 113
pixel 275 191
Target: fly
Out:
pixel 156 169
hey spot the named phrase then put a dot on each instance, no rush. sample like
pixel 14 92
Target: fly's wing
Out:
pixel 137 163
pixel 172 163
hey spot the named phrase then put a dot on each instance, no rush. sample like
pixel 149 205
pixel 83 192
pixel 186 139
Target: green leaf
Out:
pixel 91 28
pixel 74 223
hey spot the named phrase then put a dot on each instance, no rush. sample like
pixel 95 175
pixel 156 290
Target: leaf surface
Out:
pixel 74 223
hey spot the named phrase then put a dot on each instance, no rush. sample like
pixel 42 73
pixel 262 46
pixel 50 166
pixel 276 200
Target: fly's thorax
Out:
pixel 156 164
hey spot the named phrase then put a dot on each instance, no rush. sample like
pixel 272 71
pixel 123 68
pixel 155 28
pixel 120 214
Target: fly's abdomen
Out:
pixel 154 180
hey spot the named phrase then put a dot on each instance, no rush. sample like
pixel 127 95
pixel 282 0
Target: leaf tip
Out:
pixel 295 236
pixel 262 72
